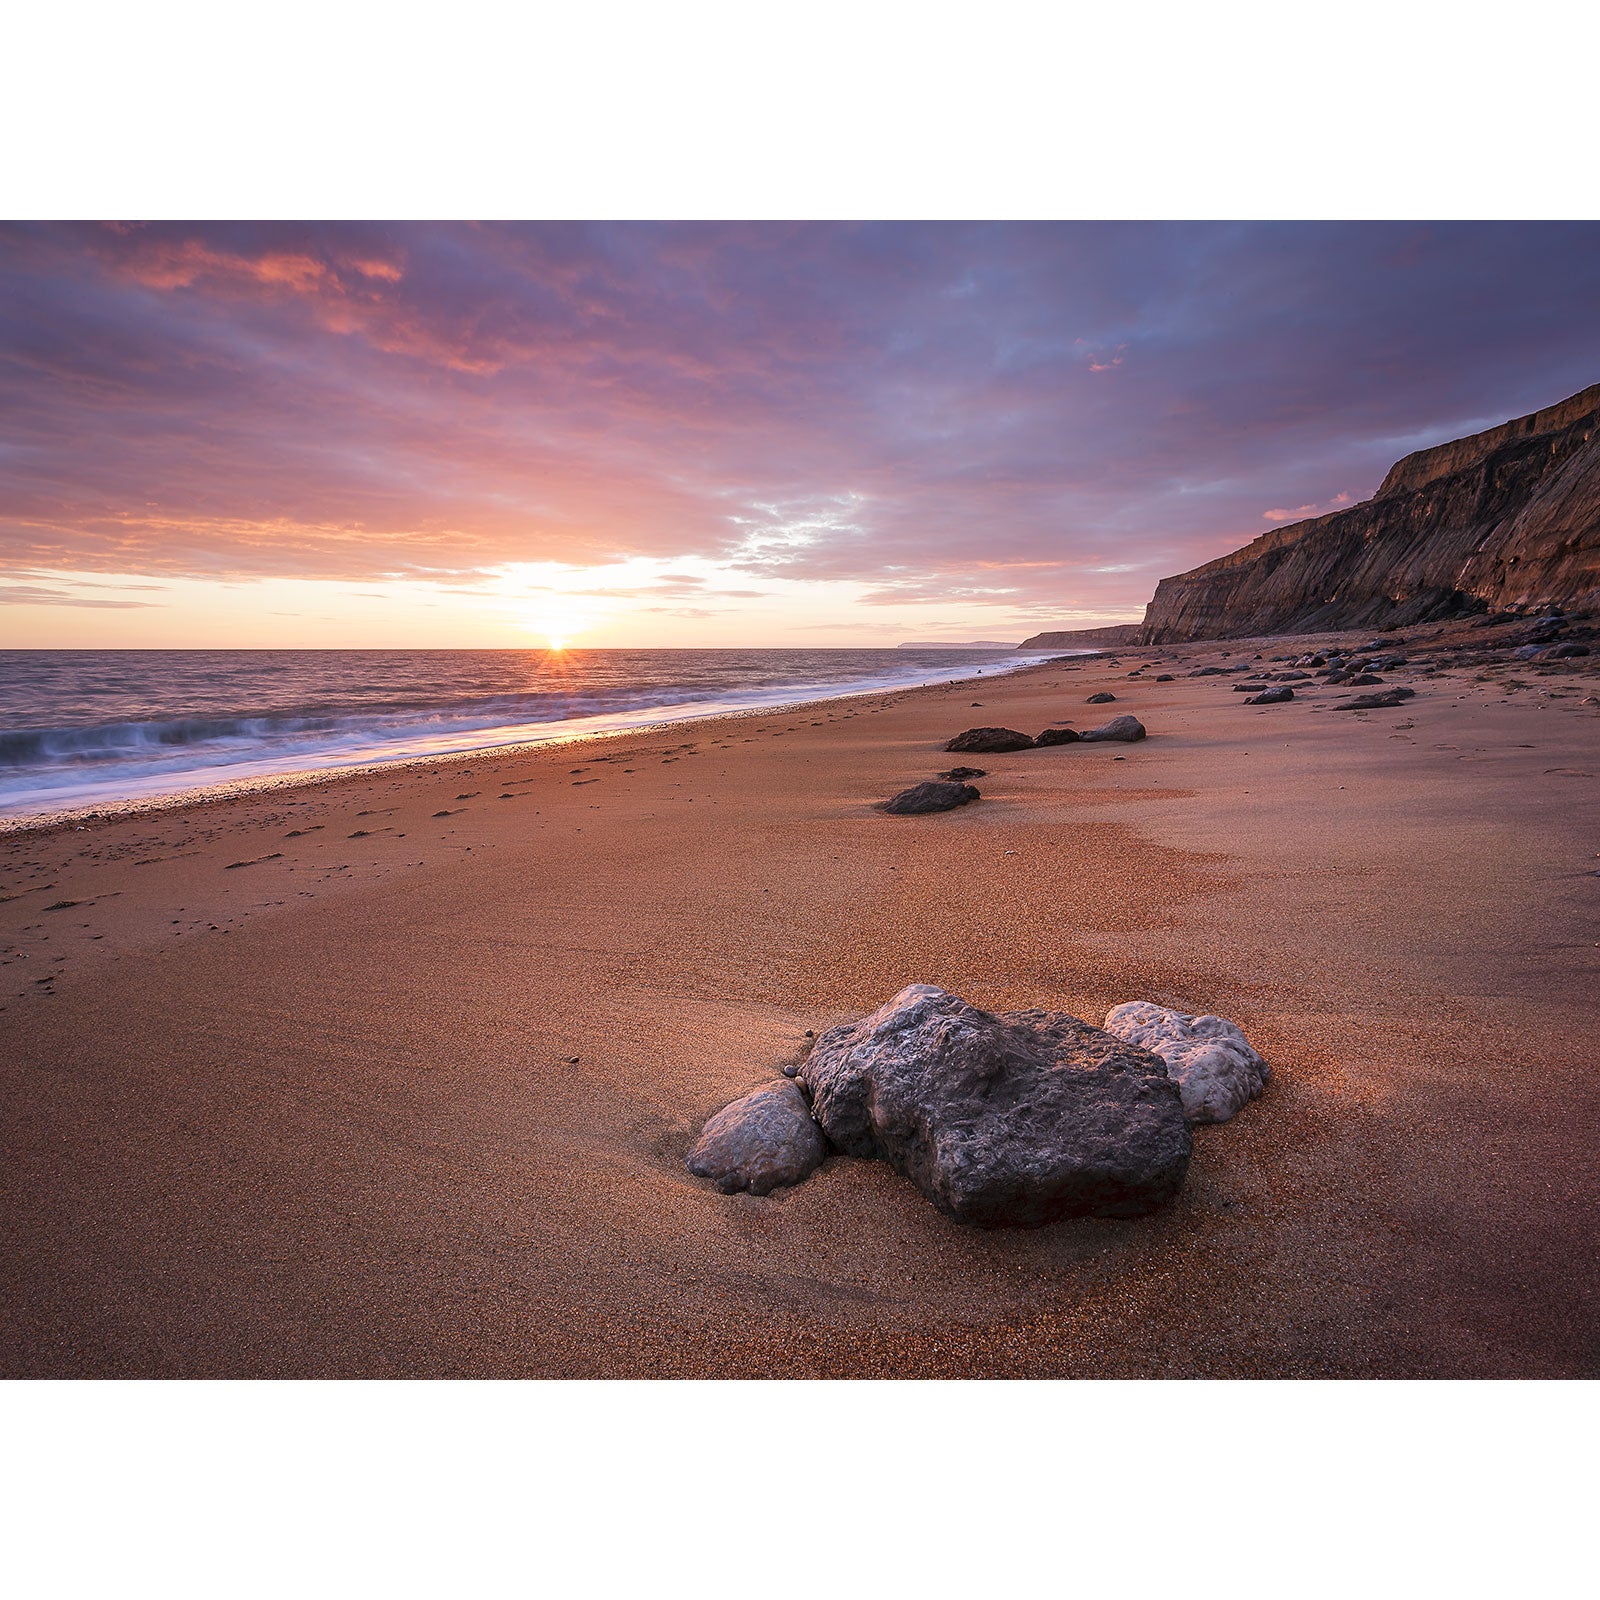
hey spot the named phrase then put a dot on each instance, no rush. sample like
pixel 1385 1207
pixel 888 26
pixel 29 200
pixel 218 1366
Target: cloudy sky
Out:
pixel 702 434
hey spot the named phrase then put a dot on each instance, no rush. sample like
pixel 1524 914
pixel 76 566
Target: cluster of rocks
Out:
pixel 1513 644
pixel 1010 1120
pixel 1124 730
pixel 1274 684
pixel 951 789
pixel 1544 641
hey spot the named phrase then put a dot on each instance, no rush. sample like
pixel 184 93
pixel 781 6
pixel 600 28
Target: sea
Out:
pixel 86 728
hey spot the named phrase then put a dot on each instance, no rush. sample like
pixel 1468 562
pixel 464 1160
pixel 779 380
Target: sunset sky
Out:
pixel 637 434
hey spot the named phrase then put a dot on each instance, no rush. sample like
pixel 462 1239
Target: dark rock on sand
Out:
pixel 1057 736
pixel 1362 679
pixel 1568 652
pixel 1248 688
pixel 1015 1120
pixel 1124 730
pixel 1377 702
pixel 961 774
pixel 1101 699
pixel 1271 697
pixel 985 741
pixel 766 1139
pixel 1164 677
pixel 922 798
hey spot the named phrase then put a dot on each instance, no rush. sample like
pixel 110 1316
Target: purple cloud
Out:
pixel 1052 415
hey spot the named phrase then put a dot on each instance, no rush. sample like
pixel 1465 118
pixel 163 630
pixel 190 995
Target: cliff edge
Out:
pixel 1507 518
pixel 1084 638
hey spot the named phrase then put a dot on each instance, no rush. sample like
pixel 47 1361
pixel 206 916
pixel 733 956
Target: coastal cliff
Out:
pixel 1084 638
pixel 1507 518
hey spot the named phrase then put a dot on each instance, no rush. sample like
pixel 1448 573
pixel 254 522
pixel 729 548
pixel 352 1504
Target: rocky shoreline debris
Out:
pixel 1017 1119
pixel 1125 729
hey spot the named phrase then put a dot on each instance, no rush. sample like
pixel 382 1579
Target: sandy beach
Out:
pixel 393 1074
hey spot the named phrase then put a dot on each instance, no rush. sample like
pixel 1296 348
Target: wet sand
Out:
pixel 394 1074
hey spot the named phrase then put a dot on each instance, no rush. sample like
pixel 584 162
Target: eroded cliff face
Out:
pixel 1084 638
pixel 1506 518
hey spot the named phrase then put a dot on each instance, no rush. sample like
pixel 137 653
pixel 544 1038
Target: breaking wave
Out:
pixel 369 707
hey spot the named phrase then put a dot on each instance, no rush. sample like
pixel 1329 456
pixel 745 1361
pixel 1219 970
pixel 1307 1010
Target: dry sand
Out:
pixel 409 1094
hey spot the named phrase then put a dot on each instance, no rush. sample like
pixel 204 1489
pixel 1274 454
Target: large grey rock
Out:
pixel 922 798
pixel 1014 1120
pixel 1209 1058
pixel 765 1139
pixel 1125 730
pixel 990 740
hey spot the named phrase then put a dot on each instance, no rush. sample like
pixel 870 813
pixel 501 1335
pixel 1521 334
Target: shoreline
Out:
pixel 227 788
pixel 387 1075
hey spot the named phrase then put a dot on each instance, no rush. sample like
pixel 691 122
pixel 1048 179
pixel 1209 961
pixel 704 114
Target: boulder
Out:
pixel 1209 1058
pixel 1123 730
pixel 766 1139
pixel 1052 736
pixel 1271 697
pixel 984 741
pixel 1568 652
pixel 961 774
pixel 922 798
pixel 1101 699
pixel 1015 1120
pixel 1376 702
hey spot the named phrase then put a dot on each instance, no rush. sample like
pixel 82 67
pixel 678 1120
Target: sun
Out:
pixel 558 626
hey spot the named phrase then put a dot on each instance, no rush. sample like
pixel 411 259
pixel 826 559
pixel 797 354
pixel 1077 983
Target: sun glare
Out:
pixel 558 628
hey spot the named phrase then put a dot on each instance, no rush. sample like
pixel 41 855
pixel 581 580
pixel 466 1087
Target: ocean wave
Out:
pixel 46 770
pixel 35 748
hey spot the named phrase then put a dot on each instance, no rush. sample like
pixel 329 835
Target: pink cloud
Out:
pixel 355 401
pixel 1300 513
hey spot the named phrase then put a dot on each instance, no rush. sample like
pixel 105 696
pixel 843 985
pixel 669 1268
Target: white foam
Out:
pixel 80 769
